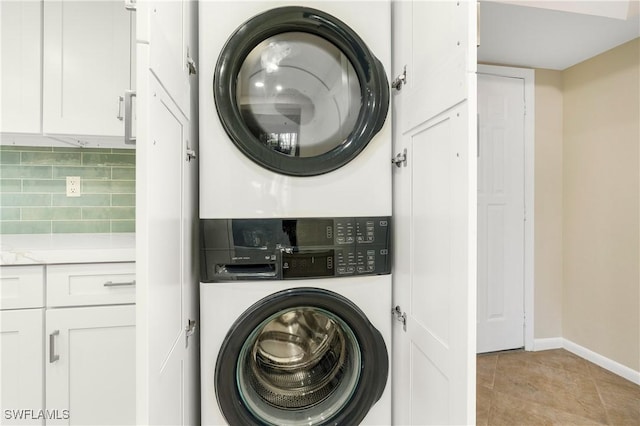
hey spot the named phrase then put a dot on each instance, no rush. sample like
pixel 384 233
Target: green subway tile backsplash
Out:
pixel 10 185
pixel 103 159
pixel 33 190
pixel 84 172
pixel 20 227
pixel 10 158
pixel 51 158
pixel 9 213
pixel 51 213
pixel 19 171
pixel 126 200
pixel 123 226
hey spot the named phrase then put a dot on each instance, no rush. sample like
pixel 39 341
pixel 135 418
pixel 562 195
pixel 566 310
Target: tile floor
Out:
pixel 552 387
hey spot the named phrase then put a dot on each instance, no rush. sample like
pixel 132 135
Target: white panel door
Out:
pixel 500 213
pixel 21 366
pixel 21 50
pixel 166 225
pixel 169 30
pixel 90 365
pixel 435 213
pixel 87 55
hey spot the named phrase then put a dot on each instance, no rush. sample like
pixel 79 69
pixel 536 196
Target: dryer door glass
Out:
pixel 298 94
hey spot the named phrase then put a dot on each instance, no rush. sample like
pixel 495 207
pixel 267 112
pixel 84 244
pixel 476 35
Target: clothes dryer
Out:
pixel 295 321
pixel 294 102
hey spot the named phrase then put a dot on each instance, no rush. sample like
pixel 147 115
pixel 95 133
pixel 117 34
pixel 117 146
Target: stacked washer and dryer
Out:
pixel 295 212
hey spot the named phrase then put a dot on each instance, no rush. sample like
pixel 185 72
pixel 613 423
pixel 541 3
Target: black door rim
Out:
pixel 374 356
pixel 374 88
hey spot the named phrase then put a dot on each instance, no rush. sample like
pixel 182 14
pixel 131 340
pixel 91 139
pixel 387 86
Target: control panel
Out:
pixel 259 249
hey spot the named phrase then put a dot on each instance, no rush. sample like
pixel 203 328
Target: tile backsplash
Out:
pixel 33 190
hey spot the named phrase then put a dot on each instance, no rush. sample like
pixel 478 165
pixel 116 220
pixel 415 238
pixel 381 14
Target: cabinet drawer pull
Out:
pixel 120 101
pixel 128 117
pixel 112 284
pixel 53 357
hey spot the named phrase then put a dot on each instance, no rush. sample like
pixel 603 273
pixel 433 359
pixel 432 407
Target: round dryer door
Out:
pixel 299 92
pixel 301 356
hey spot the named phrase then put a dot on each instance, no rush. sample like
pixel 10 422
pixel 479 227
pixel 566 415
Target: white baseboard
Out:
pixel 604 362
pixel 548 343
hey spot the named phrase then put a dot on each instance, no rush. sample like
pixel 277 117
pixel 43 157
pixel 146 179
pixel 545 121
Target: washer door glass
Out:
pixel 298 94
pixel 298 91
pixel 301 356
pixel 303 364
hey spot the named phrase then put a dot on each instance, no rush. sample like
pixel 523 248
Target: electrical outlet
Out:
pixel 73 186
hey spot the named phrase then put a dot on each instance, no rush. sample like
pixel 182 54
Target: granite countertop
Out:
pixel 34 249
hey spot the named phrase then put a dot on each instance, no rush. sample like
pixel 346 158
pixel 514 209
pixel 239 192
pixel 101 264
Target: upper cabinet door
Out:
pixel 171 49
pixel 21 34
pixel 87 57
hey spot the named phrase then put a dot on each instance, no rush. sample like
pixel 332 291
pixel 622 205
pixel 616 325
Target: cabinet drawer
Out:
pixel 21 287
pixel 91 284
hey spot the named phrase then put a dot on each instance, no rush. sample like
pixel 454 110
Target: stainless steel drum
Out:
pixel 297 359
pixel 301 356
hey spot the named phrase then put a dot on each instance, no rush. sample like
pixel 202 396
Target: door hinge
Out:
pixel 191 65
pixel 130 5
pixel 189 330
pixel 400 80
pixel 400 316
pixel 400 159
pixel 191 155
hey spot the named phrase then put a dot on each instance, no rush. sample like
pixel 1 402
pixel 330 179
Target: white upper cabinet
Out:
pixel 20 32
pixel 86 67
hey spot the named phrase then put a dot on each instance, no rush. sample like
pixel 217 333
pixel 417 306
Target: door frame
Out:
pixel 528 75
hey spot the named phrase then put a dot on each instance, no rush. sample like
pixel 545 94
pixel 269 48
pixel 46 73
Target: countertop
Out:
pixel 34 249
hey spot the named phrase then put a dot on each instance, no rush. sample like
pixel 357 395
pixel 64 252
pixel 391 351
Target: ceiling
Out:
pixel 537 37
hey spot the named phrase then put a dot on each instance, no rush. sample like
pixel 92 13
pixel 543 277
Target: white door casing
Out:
pixel 435 212
pixel 500 213
pixel 166 217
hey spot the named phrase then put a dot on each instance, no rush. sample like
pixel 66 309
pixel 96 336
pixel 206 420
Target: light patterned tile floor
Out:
pixel 552 387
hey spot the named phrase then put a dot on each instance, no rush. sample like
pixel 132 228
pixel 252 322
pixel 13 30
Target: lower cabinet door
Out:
pixel 21 367
pixel 90 365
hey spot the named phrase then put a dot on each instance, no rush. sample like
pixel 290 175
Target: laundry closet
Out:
pixel 313 198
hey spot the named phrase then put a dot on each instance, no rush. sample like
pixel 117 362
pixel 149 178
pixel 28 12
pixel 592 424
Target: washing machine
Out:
pixel 294 102
pixel 295 321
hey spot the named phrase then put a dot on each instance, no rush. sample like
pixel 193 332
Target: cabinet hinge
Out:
pixel 400 159
pixel 191 65
pixel 400 316
pixel 189 330
pixel 400 80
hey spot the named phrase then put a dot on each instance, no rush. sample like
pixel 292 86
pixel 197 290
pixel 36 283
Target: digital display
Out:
pixel 308 264
pixel 309 232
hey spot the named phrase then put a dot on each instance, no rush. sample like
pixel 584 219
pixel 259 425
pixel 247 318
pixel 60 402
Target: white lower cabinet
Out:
pixel 90 365
pixel 21 366
pixel 69 360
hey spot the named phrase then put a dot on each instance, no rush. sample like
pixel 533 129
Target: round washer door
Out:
pixel 301 356
pixel 299 92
